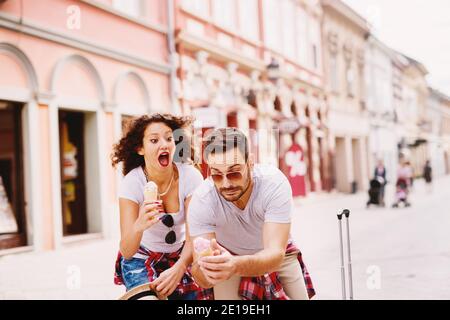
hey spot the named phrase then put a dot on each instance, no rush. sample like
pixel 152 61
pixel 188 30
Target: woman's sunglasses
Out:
pixel 168 221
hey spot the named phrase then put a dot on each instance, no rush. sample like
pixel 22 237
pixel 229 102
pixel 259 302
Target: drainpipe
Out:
pixel 172 55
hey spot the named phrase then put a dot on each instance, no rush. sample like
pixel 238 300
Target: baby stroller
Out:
pixel 401 193
pixel 376 192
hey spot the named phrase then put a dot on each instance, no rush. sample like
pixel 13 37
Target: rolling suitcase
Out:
pixel 345 213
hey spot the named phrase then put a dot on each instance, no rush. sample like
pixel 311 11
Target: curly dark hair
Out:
pixel 126 150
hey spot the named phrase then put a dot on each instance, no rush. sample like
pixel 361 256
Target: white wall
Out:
pixel 93 180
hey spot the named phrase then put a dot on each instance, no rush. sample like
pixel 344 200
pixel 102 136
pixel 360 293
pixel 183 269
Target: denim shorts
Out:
pixel 134 273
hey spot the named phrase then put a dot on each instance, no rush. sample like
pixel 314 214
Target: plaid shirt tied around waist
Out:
pixel 269 287
pixel 156 263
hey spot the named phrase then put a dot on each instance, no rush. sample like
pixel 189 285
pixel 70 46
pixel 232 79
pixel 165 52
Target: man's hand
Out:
pixel 219 267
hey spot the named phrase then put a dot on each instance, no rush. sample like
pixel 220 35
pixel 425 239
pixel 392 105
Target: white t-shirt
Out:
pixel 132 188
pixel 241 231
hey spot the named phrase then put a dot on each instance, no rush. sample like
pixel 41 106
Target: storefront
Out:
pixel 19 152
pixel 57 185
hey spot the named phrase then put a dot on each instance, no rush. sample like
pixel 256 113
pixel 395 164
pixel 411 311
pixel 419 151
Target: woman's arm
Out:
pixel 133 222
pixel 169 279
pixel 186 255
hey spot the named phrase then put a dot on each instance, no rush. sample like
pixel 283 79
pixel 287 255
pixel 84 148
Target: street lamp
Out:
pixel 273 70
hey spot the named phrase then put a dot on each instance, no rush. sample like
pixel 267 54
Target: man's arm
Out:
pixel 221 267
pixel 275 237
pixel 195 270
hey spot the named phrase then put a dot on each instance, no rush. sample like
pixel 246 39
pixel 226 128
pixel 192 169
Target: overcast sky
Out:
pixel 417 28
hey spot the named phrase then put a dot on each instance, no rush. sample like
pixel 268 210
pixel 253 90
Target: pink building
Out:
pixel 71 74
pixel 225 48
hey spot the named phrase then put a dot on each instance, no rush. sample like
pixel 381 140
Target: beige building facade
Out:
pixel 257 65
pixel 344 38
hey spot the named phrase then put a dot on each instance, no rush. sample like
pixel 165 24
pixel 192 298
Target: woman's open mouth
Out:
pixel 163 159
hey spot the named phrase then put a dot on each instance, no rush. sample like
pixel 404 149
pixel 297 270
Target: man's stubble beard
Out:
pixel 240 188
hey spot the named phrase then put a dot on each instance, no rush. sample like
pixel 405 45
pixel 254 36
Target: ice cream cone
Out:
pixel 202 247
pixel 151 191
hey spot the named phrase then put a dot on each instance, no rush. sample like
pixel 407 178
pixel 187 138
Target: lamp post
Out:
pixel 273 71
pixel 273 75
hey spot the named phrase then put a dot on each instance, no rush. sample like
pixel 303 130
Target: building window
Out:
pixel 252 99
pixel 294 109
pixel 225 13
pixel 277 105
pixel 73 179
pixel 302 36
pixel 248 18
pixel 132 8
pixel 288 25
pixel 350 80
pixel 200 7
pixel 315 42
pixel 272 24
pixel 12 202
pixel 314 56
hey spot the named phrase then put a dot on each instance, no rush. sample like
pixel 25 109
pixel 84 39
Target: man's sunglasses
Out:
pixel 168 221
pixel 231 176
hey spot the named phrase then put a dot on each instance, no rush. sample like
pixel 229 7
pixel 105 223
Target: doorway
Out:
pixel 73 169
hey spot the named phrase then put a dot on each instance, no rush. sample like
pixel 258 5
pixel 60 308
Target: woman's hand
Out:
pixel 148 215
pixel 168 280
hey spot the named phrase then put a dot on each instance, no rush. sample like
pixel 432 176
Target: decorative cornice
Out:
pixel 44 97
pixel 193 42
pixel 139 21
pixel 347 12
pixel 32 29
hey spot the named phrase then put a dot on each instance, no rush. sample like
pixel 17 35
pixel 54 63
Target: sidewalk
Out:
pixel 81 272
pixel 407 249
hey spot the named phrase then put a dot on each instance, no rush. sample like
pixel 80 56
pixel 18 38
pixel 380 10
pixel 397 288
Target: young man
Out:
pixel 245 210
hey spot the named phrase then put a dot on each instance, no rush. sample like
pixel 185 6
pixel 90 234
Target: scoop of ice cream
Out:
pixel 202 244
pixel 151 191
pixel 151 186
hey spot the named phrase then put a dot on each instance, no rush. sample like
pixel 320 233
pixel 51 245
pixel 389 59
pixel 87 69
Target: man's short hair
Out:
pixel 224 139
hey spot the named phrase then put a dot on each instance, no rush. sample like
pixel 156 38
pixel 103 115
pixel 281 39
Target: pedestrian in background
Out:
pixel 402 186
pixel 380 175
pixel 409 174
pixel 427 175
